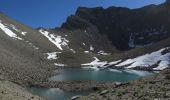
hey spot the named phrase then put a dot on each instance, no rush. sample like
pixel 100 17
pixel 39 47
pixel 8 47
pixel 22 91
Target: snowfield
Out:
pixel 145 61
pixel 149 60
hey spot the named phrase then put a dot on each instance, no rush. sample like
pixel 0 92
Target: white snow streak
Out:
pixel 8 31
pixel 56 40
pixel 19 31
pixel 60 65
pixel 95 64
pixel 101 52
pixel 86 51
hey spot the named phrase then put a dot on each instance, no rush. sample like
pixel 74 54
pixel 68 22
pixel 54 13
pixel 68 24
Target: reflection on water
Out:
pixel 55 93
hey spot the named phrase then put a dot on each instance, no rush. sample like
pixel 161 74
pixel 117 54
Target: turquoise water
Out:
pixel 55 94
pixel 86 74
pixel 99 75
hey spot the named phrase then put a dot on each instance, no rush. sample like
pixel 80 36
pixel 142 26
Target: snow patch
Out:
pixel 9 32
pixel 114 62
pixel 86 51
pixel 52 56
pixel 101 52
pixel 56 40
pixel 148 60
pixel 73 50
pixel 60 65
pixel 17 30
pixel 96 64
pixel 162 65
pixel 91 48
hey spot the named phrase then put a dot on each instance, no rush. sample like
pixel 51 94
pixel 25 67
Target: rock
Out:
pixel 118 83
pixel 75 97
pixel 104 92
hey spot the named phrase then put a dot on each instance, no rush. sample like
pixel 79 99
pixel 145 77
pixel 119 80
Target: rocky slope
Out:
pixel 11 91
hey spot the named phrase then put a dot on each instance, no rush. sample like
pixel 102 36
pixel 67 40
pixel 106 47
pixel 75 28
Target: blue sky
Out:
pixel 52 13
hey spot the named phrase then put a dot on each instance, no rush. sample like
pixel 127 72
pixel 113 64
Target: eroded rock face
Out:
pixel 146 25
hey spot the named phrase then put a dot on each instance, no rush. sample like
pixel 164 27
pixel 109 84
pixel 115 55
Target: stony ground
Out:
pixel 149 88
pixel 11 91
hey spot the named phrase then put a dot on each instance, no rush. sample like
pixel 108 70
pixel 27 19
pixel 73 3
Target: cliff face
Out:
pixel 141 26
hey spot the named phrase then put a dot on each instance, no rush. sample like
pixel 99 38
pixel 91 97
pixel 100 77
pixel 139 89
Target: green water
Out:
pixel 86 74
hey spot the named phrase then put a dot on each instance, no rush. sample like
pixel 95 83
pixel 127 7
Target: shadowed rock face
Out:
pixel 145 25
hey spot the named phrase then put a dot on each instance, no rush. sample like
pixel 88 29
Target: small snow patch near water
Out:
pixel 60 65
pixel 95 64
pixel 149 60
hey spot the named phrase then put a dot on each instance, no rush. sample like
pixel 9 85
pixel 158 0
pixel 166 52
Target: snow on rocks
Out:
pixel 86 51
pixel 162 65
pixel 73 50
pixel 17 30
pixel 52 56
pixel 60 65
pixel 145 61
pixel 101 52
pixel 114 62
pixel 95 64
pixel 149 60
pixel 8 31
pixel 91 48
pixel 56 40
